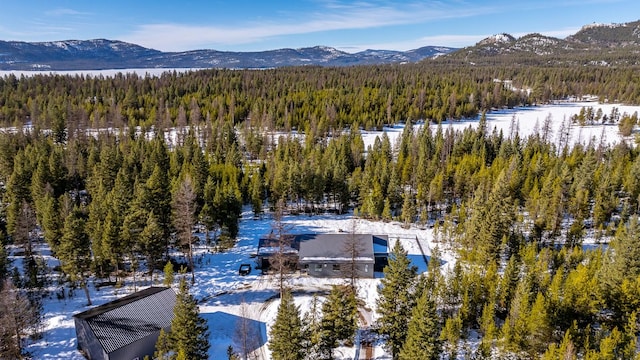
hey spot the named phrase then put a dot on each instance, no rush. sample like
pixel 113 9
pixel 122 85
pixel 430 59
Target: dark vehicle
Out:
pixel 245 269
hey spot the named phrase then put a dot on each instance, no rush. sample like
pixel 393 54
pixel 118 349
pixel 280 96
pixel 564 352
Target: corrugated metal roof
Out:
pixel 124 321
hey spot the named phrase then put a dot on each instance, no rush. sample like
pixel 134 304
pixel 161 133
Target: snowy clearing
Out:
pixel 528 119
pixel 229 300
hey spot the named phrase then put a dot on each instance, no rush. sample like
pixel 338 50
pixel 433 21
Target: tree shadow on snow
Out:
pixel 244 334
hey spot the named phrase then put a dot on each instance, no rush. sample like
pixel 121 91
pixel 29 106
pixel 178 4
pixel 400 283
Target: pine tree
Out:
pixel 488 329
pixel 189 331
pixel 111 242
pixel 626 256
pixel 311 334
pixel 339 319
pixel 75 250
pixel 133 226
pixel 507 286
pixel 156 198
pixel 168 274
pixel 256 193
pixel 396 300
pixel 515 328
pixel 451 333
pixel 18 190
pixel 163 347
pixel 231 355
pixel 565 351
pixel 285 337
pixel 25 225
pixel 352 249
pixel 51 221
pixel 539 328
pixel 152 245
pixel 408 209
pixel 423 335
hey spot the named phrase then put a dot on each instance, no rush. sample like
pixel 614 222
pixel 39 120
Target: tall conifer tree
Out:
pixel 339 319
pixel 285 337
pixel 396 299
pixel 423 336
pixel 75 250
pixel 189 331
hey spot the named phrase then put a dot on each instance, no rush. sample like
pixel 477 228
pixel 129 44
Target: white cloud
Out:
pixel 332 16
pixel 329 15
pixel 457 41
pixel 65 12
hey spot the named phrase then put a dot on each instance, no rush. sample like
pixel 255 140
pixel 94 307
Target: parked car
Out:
pixel 245 269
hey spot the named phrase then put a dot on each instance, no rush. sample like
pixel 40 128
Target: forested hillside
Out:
pixel 116 171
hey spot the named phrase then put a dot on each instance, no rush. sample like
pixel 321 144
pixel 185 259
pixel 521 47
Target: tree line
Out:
pixel 327 99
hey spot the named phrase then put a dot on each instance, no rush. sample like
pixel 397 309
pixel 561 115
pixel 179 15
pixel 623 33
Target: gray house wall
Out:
pixel 138 349
pixel 336 269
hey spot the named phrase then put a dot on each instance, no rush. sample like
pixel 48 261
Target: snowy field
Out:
pixel 229 301
pixel 528 119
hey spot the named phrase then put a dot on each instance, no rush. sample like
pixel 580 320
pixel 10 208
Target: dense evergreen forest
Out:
pixel 116 171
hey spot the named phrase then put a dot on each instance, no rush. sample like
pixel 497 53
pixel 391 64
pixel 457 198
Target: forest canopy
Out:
pixel 116 170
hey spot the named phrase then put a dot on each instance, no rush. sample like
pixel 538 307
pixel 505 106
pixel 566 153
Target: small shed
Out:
pixel 126 328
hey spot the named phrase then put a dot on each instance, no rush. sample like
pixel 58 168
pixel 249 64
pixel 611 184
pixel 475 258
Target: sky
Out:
pixel 256 25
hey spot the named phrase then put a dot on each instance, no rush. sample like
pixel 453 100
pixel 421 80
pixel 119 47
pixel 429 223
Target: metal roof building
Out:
pixel 126 328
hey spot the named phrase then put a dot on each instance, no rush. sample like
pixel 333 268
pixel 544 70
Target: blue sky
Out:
pixel 349 25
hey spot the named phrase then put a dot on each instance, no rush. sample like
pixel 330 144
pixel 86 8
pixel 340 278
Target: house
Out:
pixel 328 255
pixel 126 328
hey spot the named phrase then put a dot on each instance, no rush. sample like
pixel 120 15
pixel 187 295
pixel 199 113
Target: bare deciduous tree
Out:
pixel 246 336
pixel 18 318
pixel 353 249
pixel 25 225
pixel 281 261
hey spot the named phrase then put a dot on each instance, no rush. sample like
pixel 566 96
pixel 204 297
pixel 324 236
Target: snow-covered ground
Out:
pixel 527 119
pixel 229 301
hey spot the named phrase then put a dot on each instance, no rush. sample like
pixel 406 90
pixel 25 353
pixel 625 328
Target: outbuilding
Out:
pixel 127 328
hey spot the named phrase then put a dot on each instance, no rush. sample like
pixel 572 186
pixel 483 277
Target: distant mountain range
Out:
pixel 595 44
pixel 109 54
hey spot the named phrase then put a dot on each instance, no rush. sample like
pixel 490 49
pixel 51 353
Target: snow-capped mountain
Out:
pixel 602 44
pixel 107 54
